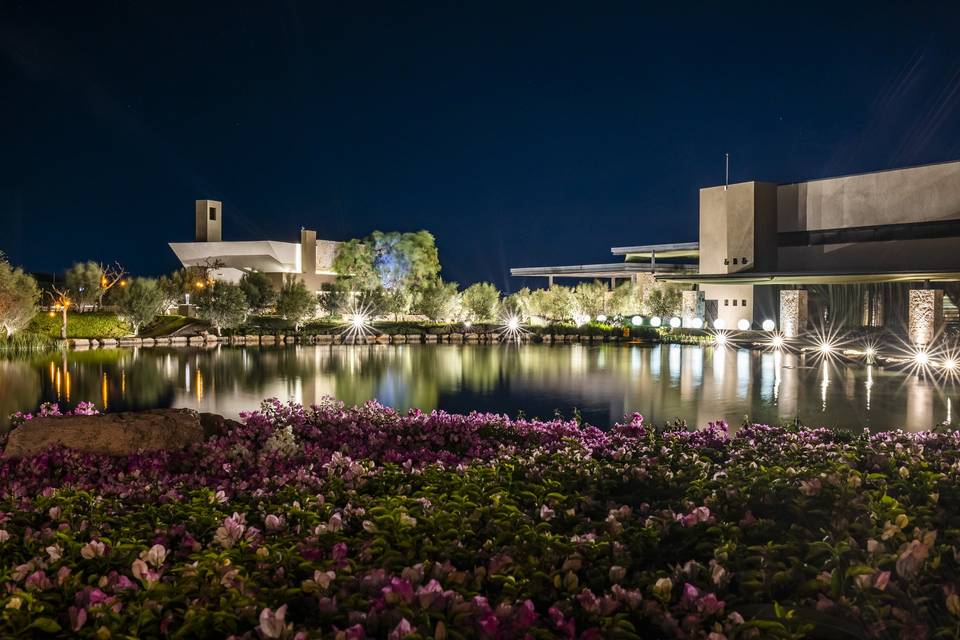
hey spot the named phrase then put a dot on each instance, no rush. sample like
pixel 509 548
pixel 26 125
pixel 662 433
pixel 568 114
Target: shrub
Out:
pixel 369 523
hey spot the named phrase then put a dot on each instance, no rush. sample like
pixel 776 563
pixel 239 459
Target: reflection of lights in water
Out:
pixel 721 339
pixel 825 369
pixel 777 366
pixel 66 383
pixel 673 360
pixel 199 385
pixel 949 411
pixel 58 384
pixel 869 385
pixel 743 372
pixel 104 392
pixel 359 323
pixel 776 342
pixel 186 375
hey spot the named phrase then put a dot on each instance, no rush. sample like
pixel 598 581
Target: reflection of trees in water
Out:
pixel 19 388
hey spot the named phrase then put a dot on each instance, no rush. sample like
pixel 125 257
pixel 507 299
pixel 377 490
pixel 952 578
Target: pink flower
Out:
pixel 402 630
pixel 38 581
pixel 78 617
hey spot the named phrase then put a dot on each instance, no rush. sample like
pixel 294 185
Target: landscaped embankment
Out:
pixel 361 522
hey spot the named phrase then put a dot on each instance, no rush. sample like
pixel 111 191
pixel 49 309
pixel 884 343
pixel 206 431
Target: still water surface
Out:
pixel 602 382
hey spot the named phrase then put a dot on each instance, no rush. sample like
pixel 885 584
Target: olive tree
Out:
pixel 140 301
pixel 480 301
pixel 19 296
pixel 223 305
pixel 295 303
pixel 664 300
pixel 258 289
pixel 591 298
pixel 439 301
pixel 83 281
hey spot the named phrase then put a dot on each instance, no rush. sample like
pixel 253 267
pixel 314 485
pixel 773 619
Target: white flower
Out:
pixel 55 552
pixel 93 549
pixel 155 556
pixel 4 536
pixel 272 623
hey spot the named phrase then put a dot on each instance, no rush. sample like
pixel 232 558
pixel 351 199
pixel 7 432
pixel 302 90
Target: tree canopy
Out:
pixel 19 296
pixel 140 302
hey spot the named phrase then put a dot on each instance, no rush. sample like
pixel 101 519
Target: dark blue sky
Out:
pixel 520 134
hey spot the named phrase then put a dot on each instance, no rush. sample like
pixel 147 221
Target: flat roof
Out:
pixel 668 250
pixel 608 270
pixel 813 277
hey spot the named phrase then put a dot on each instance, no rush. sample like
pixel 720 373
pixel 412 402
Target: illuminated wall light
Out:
pixel 655 321
pixel 675 322
pixel 769 325
pixel 720 340
pixel 636 321
pixel 719 324
pixel 776 342
pixel 743 324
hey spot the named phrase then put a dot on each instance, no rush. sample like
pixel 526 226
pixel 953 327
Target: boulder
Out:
pixel 324 339
pixel 161 341
pixel 383 339
pixel 112 434
pixel 79 342
pixel 214 424
pixel 252 339
pixel 398 338
pixel 430 338
pixel 108 342
pixel 149 342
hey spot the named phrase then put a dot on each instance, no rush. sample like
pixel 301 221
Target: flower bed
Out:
pixel 353 523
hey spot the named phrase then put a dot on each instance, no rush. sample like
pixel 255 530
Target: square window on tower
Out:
pixel 213 214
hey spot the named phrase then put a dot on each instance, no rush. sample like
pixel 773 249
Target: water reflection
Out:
pixel 603 382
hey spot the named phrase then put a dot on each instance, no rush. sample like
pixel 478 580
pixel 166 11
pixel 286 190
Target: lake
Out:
pixel 603 382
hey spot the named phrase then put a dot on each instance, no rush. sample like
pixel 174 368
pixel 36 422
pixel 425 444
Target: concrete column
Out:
pixel 308 251
pixel 691 306
pixel 926 315
pixel 549 282
pixel 793 312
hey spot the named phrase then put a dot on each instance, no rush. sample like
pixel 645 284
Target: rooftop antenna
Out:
pixel 726 178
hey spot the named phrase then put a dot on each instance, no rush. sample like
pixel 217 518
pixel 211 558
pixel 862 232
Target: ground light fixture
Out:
pixel 696 323
pixel 636 321
pixel 776 342
pixel 675 322
pixel 769 325
pixel 467 324
pixel 601 318
pixel 719 324
pixel 655 321
pixel 743 324
pixel 720 339
pixel 950 364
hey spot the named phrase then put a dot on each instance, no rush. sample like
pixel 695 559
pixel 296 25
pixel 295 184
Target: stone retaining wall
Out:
pixel 81 344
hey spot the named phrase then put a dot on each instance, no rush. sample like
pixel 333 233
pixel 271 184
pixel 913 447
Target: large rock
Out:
pixel 113 434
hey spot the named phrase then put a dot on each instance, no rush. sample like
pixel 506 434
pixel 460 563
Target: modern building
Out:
pixel 309 260
pixel 875 249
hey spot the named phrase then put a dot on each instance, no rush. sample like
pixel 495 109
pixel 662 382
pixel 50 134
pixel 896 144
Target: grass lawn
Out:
pixel 91 324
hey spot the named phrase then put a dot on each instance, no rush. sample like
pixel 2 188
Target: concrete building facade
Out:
pixel 309 260
pixel 856 246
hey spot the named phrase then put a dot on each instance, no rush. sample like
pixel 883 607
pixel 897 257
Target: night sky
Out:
pixel 519 133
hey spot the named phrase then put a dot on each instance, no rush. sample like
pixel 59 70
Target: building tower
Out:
pixel 209 220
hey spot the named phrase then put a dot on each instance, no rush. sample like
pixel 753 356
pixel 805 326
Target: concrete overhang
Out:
pixel 669 250
pixel 611 270
pixel 264 255
pixel 813 277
